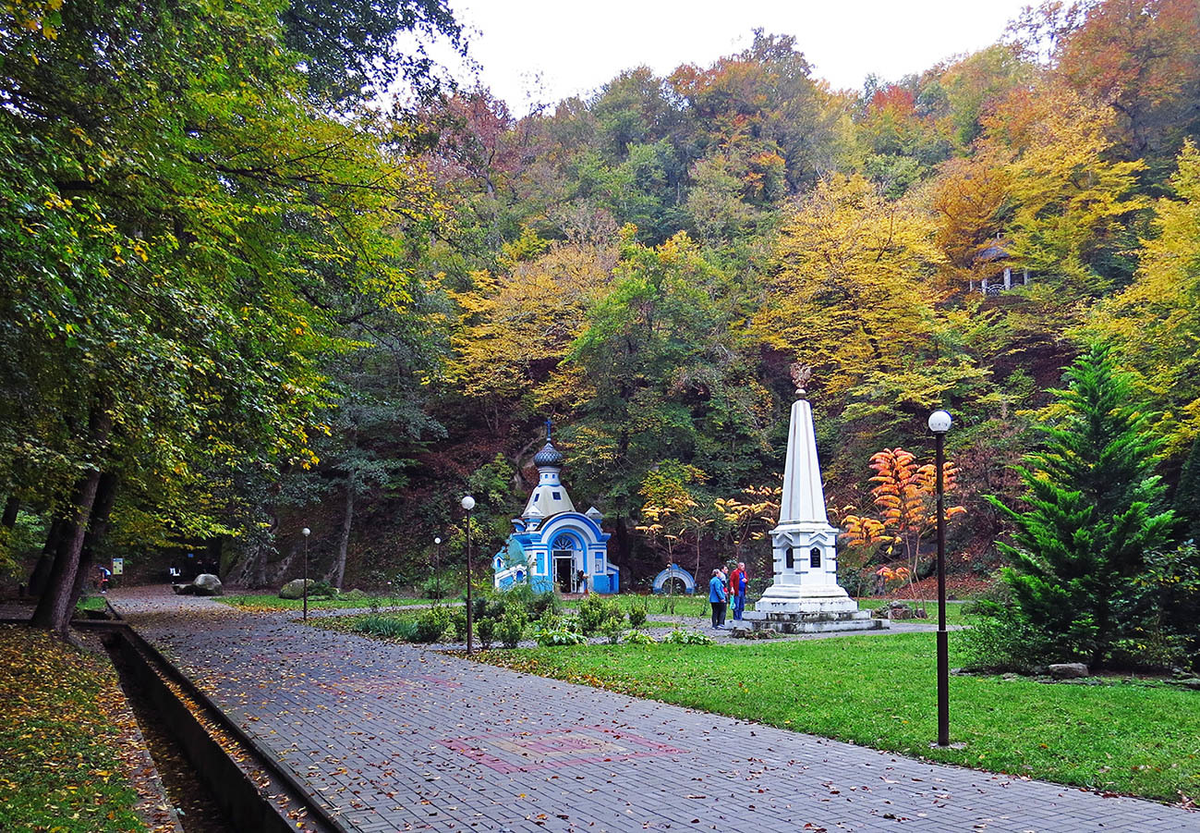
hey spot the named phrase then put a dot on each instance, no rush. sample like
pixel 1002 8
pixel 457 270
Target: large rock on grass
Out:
pixel 1068 670
pixel 294 589
pixel 207 584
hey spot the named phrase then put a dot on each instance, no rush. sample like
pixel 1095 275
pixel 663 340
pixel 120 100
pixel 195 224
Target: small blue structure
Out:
pixel 553 546
pixel 678 576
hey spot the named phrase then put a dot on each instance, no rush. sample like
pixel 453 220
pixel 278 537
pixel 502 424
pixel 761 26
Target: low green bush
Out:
pixel 432 624
pixel 639 638
pixel 639 612
pixel 485 629
pixel 596 610
pixel 549 638
pixel 459 620
pixel 678 637
pixel 613 629
pixel 511 628
pixel 1001 640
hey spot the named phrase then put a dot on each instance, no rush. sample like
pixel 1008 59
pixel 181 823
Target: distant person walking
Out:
pixel 737 590
pixel 717 598
pixel 105 577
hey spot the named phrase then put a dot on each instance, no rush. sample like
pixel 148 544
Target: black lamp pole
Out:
pixel 437 566
pixel 468 503
pixel 939 424
pixel 306 532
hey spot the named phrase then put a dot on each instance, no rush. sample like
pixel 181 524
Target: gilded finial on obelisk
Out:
pixel 801 373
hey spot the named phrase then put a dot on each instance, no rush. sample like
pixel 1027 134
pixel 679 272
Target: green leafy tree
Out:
pixel 1094 512
pixel 1187 496
pixel 177 218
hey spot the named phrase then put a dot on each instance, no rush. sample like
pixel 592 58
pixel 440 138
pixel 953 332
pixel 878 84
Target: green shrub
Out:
pixel 511 628
pixel 389 627
pixel 485 629
pixel 438 587
pixel 1003 640
pixel 550 638
pixel 432 624
pixel 639 612
pixel 322 589
pixel 535 604
pixel 639 638
pixel 613 628
pixel 459 619
pixel 595 610
pixel 678 637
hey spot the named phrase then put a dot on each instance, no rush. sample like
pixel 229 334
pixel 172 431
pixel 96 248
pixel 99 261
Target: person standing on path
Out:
pixel 737 590
pixel 716 598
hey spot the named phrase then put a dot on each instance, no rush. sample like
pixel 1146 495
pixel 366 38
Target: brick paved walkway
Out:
pixel 398 738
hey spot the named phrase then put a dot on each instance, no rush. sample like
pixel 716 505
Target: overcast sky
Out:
pixel 547 50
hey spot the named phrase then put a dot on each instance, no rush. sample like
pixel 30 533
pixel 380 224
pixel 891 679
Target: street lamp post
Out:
pixel 306 532
pixel 437 566
pixel 468 503
pixel 939 424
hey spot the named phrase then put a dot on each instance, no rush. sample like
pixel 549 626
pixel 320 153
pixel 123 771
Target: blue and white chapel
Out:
pixel 553 546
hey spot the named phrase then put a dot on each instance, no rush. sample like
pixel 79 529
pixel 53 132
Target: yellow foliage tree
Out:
pixel 1072 203
pixel 849 296
pixel 520 323
pixel 1157 319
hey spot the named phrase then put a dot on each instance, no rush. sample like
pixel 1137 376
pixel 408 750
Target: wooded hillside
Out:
pixel 347 327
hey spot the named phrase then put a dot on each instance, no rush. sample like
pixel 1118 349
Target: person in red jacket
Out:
pixel 737 590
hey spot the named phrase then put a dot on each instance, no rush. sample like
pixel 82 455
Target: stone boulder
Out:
pixel 1068 670
pixel 294 589
pixel 207 584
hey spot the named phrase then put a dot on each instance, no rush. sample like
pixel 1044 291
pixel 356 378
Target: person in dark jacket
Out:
pixel 717 598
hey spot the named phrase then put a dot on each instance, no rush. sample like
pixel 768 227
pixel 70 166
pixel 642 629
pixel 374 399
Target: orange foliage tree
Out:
pixel 905 495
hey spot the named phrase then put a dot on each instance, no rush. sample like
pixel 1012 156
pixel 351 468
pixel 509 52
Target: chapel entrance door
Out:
pixel 564 570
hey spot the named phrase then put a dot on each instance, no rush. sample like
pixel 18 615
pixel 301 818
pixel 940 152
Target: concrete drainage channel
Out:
pixel 251 790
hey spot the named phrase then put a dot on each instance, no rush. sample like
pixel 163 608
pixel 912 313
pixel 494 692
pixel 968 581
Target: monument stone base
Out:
pixel 790 608
pixel 817 622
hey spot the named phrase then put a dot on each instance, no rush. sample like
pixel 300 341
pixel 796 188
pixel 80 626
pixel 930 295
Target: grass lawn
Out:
pixel 91 603
pixel 1127 736
pixel 59 768
pixel 269 601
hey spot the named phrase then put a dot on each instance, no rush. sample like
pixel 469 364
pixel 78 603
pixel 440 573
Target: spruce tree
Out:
pixel 1094 511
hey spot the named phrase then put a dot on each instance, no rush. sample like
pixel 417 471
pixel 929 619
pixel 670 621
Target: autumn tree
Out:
pixel 1139 59
pixel 848 296
pixel 904 493
pixel 1157 318
pixel 675 513
pixel 1074 208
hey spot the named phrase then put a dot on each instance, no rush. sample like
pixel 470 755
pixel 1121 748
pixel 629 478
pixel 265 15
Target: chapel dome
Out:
pixel 548 456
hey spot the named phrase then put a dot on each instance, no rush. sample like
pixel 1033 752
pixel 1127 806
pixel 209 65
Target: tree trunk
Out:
pixel 54 609
pixel 57 603
pixel 106 494
pixel 10 511
pixel 339 567
pixel 41 571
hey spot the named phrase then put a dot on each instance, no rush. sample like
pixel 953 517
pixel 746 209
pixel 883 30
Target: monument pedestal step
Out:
pixel 814 622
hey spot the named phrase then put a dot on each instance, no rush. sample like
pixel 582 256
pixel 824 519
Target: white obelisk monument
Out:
pixel 805 595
